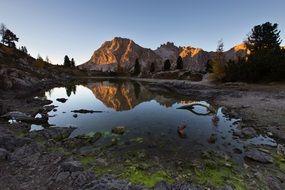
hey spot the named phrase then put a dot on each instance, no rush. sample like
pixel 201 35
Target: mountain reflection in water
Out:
pixel 151 118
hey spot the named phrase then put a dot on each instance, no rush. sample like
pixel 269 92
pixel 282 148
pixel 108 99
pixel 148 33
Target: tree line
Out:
pixel 166 66
pixel 265 61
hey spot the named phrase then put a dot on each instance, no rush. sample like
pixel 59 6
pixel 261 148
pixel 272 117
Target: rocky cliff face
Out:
pixel 120 54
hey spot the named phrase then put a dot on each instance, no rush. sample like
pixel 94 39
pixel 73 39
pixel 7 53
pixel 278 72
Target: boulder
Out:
pixel 57 133
pixel 20 116
pixel 258 156
pixel 4 154
pixel 71 166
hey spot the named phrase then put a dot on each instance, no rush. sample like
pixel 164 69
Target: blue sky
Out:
pixel 76 28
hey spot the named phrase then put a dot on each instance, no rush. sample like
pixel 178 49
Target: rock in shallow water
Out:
pixel 85 111
pixel 247 132
pixel 259 156
pixel 62 100
pixel 119 130
pixel 52 133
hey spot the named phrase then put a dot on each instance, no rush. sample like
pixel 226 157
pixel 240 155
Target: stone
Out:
pixel 280 150
pixel 212 139
pixel 162 185
pixel 259 156
pixel 62 176
pixel 25 152
pixel 49 108
pixel 119 130
pixel 62 100
pixel 20 116
pixel 4 154
pixel 237 150
pixel 57 133
pixel 248 132
pixel 71 166
pixel 274 183
pixel 86 111
pixel 186 186
pixel 75 115
pixel 101 162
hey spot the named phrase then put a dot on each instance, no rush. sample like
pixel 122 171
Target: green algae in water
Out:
pixel 218 171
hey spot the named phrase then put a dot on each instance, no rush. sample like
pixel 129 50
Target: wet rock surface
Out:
pixel 259 156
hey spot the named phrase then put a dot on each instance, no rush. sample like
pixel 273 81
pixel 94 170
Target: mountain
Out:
pixel 120 54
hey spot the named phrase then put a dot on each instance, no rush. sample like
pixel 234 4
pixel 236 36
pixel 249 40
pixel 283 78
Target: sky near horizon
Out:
pixel 55 28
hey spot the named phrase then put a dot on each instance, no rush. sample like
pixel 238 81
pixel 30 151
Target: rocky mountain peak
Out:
pixel 120 55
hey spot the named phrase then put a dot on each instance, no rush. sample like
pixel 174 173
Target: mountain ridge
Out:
pixel 120 54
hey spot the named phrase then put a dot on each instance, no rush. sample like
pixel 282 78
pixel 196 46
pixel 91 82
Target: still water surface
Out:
pixel 151 118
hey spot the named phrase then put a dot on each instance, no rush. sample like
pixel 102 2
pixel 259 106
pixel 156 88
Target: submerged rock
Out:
pixel 259 156
pixel 82 140
pixel 247 132
pixel 86 111
pixel 62 100
pixel 212 139
pixel 181 131
pixel 119 130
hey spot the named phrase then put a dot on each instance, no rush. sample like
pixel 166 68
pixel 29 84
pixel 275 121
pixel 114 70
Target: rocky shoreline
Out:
pixel 31 160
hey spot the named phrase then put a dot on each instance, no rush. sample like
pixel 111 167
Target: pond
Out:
pixel 152 119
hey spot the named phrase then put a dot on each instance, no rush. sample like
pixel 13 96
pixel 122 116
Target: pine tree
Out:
pixel 152 67
pixel 9 38
pixel 24 49
pixel 264 37
pixel 266 60
pixel 3 28
pixel 137 68
pixel 179 63
pixel 72 63
pixel 167 65
pixel 66 61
